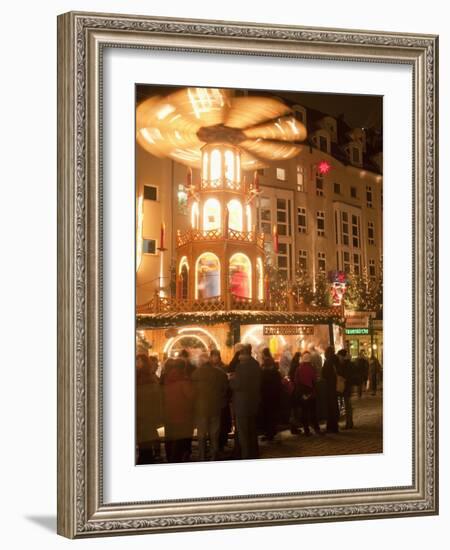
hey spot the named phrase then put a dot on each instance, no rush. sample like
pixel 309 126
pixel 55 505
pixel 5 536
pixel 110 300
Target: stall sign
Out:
pixel 287 330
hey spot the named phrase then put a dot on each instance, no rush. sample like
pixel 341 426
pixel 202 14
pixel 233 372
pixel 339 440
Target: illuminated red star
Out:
pixel 324 167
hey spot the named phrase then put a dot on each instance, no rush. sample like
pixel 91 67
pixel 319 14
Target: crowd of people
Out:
pixel 243 400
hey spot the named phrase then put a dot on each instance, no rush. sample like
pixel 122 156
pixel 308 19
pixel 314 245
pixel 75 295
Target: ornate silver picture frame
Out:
pixel 82 40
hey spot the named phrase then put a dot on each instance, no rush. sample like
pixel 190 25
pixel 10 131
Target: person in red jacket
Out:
pixel 304 382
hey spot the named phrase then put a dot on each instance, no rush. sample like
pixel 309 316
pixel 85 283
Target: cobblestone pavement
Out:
pixel 365 437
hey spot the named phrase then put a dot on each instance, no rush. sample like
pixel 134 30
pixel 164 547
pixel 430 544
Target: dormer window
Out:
pixel 356 155
pixel 322 141
pixel 300 113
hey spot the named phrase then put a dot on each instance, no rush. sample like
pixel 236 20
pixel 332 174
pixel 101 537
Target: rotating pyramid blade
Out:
pixel 284 129
pixel 251 110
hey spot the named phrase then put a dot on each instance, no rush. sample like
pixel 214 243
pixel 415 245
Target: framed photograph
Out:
pixel 247 288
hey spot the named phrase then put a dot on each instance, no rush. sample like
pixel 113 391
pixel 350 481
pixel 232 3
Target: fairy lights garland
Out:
pixel 164 320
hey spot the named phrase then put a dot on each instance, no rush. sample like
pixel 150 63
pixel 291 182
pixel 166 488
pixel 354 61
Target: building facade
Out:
pixel 324 208
pixel 328 210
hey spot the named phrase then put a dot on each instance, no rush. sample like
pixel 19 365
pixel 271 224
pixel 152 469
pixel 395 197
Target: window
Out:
pixel 356 155
pixel 371 233
pixel 283 260
pixel 321 223
pixel 302 260
pixel 356 264
pixel 260 278
pixel 207 276
pixel 353 193
pixel 346 261
pixel 183 279
pixel 265 216
pixel 229 166
pixel 301 219
pixel 235 215
pixel 323 143
pixel 300 113
pixel 248 211
pixel 182 199
pixel 281 174
pixel 215 169
pixel 240 272
pixel 319 185
pixel 282 217
pixel 372 272
pixel 321 261
pixel 345 229
pixel 211 215
pixel 355 231
pixel 369 196
pixel 149 246
pixel 300 178
pixel 337 188
pixel 150 193
pixel 194 215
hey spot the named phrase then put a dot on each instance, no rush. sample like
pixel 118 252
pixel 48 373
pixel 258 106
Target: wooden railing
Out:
pixel 196 235
pixel 160 304
pixel 174 305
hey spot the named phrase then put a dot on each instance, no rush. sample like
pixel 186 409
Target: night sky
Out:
pixel 358 111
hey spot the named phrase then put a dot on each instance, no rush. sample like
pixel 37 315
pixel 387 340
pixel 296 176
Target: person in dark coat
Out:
pixel 329 376
pixel 225 414
pixel 305 381
pixel 375 373
pixel 235 360
pixel 210 388
pixel 345 369
pixel 270 394
pixel 148 409
pixel 294 417
pixel 246 387
pixel 178 397
pixel 362 369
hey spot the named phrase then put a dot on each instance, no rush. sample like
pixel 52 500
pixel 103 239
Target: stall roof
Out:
pixel 164 320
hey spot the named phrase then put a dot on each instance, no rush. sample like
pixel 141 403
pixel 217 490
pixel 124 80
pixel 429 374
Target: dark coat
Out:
pixel 148 409
pixel 346 370
pixel 329 373
pixel 178 395
pixel 210 390
pixel 246 387
pixel 270 387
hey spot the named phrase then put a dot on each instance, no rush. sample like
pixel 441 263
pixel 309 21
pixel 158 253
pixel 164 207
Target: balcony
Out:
pixel 218 304
pixel 198 235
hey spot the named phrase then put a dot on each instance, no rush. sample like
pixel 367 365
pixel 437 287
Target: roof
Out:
pixel 165 320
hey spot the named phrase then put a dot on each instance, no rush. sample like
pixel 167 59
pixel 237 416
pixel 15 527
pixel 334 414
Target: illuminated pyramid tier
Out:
pixel 220 258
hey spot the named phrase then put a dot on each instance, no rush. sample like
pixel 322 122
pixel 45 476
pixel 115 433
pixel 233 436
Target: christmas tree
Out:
pixel 322 291
pixel 302 286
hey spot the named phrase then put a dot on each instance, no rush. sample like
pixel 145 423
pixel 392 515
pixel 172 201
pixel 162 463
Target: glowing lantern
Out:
pixel 324 167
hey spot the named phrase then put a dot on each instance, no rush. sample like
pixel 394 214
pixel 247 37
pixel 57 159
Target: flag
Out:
pixel 275 238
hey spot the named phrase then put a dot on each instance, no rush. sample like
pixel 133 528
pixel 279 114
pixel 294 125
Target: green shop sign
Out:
pixel 356 331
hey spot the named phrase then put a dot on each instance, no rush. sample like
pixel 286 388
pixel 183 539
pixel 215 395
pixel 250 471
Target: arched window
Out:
pixel 211 215
pixel 240 272
pixel 194 215
pixel 215 168
pixel 183 278
pixel 260 278
pixel 235 215
pixel 248 209
pixel 207 276
pixel 229 166
pixel 205 166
